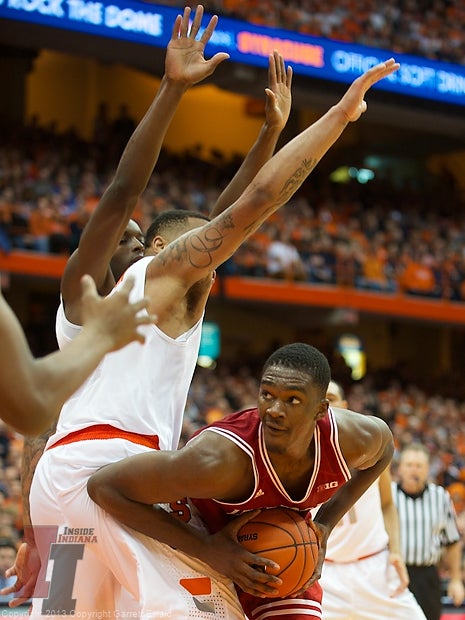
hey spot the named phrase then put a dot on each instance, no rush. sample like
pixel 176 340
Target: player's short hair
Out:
pixel 170 220
pixel 303 357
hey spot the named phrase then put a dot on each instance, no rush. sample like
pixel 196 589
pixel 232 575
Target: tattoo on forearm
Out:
pixel 289 188
pixel 296 180
pixel 198 249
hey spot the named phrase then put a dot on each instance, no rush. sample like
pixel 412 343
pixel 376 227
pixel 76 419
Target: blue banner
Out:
pixel 246 43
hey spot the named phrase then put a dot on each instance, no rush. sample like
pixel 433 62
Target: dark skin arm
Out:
pixel 185 65
pixel 209 466
pixel 367 445
pixel 277 109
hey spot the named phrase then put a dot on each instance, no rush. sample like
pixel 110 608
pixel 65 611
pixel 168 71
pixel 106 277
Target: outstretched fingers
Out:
pixel 195 27
pixel 184 25
pixel 353 103
pixel 209 30
pixel 379 72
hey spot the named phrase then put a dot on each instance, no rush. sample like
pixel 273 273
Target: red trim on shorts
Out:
pixel 363 557
pixel 106 431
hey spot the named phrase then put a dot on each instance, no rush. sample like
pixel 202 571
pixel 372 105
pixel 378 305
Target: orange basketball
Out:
pixel 282 535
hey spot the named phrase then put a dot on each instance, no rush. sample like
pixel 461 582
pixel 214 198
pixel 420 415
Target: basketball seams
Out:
pixel 296 547
pixel 308 540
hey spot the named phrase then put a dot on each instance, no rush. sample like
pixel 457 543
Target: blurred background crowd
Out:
pixel 385 235
pixel 431 28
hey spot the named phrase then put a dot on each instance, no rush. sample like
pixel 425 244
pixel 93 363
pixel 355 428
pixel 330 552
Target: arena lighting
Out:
pixel 345 174
pixel 246 43
pixel 210 345
pixel 351 348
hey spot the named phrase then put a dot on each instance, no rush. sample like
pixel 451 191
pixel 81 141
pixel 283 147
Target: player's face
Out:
pixel 130 250
pixel 289 407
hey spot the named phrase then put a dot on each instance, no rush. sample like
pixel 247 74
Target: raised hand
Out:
pixel 352 103
pixel 185 61
pixel 278 94
pixel 114 317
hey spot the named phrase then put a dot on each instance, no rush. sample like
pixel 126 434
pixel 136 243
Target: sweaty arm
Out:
pixel 208 466
pixel 391 523
pixel 185 65
pixel 367 446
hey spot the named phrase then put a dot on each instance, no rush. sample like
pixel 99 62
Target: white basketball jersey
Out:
pixel 140 388
pixel 65 330
pixel 361 531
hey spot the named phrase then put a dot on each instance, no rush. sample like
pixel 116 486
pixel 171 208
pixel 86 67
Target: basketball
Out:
pixel 282 535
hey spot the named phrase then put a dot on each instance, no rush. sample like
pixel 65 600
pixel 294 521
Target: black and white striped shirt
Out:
pixel 427 522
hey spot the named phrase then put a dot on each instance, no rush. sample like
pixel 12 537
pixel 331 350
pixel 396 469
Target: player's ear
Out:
pixel 158 244
pixel 322 409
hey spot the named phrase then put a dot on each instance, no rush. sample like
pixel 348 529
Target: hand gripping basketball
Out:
pixel 284 536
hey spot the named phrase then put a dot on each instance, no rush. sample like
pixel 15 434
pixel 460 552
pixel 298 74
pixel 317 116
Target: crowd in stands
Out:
pixel 433 29
pixel 375 236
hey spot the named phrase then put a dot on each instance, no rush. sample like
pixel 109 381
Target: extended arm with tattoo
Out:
pixel 198 252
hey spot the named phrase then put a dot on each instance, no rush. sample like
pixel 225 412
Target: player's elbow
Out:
pixel 386 442
pixel 95 488
pixel 100 490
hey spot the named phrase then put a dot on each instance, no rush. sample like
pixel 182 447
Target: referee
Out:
pixel 428 528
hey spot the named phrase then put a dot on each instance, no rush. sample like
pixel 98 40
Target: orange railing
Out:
pixel 279 292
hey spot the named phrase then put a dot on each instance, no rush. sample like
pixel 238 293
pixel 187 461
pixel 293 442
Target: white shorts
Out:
pixel 362 591
pixel 94 554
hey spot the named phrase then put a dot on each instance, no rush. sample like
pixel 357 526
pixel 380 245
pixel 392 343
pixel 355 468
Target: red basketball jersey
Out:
pixel 245 430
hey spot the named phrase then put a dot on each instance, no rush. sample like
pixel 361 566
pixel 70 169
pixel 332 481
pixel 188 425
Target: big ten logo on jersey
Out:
pixel 180 509
pixel 327 486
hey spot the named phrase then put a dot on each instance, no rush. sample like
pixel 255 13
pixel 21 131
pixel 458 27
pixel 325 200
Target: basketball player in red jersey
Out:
pixel 292 450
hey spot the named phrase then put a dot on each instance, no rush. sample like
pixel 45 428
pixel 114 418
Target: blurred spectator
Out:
pixel 283 259
pixel 7 559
